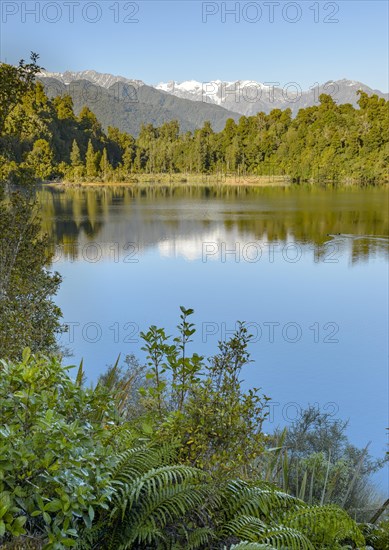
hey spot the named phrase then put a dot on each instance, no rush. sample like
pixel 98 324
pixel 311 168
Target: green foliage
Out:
pixel 74 474
pixel 40 159
pixel 202 404
pixel 90 162
pixel 377 536
pixel 15 83
pixel 155 504
pixel 261 514
pixel 165 357
pixel 327 143
pixel 28 316
pixel 251 546
pixel 221 425
pixel 54 467
pixel 321 466
pixel 325 526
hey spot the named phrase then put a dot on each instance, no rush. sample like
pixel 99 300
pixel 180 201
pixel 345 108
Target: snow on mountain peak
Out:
pixel 100 79
pixel 214 91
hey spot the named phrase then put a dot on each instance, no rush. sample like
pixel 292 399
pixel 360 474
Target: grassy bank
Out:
pixel 176 179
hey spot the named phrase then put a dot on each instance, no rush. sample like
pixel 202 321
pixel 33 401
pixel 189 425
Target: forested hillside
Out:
pixel 42 138
pixel 128 106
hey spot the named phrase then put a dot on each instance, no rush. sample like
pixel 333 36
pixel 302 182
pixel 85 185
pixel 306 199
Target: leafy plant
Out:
pixel 201 404
pixel 54 466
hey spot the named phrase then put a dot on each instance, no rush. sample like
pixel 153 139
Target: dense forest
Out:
pixel 167 454
pixel 42 138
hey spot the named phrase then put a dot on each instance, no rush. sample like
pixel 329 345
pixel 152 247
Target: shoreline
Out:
pixel 181 179
pixel 203 180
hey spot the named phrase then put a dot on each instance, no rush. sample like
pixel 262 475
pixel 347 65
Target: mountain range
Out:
pixel 129 103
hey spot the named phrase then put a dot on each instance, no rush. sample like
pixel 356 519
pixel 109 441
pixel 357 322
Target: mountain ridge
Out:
pixel 128 103
pixel 128 106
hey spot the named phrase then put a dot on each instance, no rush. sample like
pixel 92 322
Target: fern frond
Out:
pixel 282 537
pixel 147 505
pixel 198 538
pixel 241 498
pixel 244 527
pixel 325 524
pixel 138 460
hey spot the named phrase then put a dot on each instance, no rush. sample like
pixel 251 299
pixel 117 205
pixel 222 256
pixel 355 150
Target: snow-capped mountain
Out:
pixel 216 100
pixel 128 104
pixel 105 80
pixel 215 91
pixel 247 97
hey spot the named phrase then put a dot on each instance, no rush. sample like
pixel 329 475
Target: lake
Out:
pixel 306 268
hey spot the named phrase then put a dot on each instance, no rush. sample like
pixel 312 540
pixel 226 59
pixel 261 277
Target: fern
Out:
pixel 286 537
pixel 325 525
pixel 259 500
pixel 138 460
pixel 163 506
pixel 251 529
pixel 376 535
pixel 155 505
pixel 198 538
pixel 244 527
pixel 258 513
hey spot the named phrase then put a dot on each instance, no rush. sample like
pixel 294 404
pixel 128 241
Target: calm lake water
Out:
pixel 306 268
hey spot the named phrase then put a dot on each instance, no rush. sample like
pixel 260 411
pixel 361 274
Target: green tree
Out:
pixel 41 159
pixel 28 315
pixel 90 161
pixel 64 107
pixel 76 162
pixel 105 167
pixel 75 157
pixel 324 467
pixel 15 82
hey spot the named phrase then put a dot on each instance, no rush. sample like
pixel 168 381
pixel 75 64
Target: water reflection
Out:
pixel 178 220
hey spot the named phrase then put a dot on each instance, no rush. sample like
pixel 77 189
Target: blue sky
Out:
pixel 304 42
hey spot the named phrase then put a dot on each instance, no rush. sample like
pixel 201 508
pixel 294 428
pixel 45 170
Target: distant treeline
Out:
pixel 45 140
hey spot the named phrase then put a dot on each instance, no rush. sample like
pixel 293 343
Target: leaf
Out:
pixel 40 502
pixel 91 513
pixel 68 542
pixel 80 373
pixel 26 355
pixel 2 527
pixel 3 510
pixel 53 506
pixel 5 431
pixel 19 521
pixel 47 518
